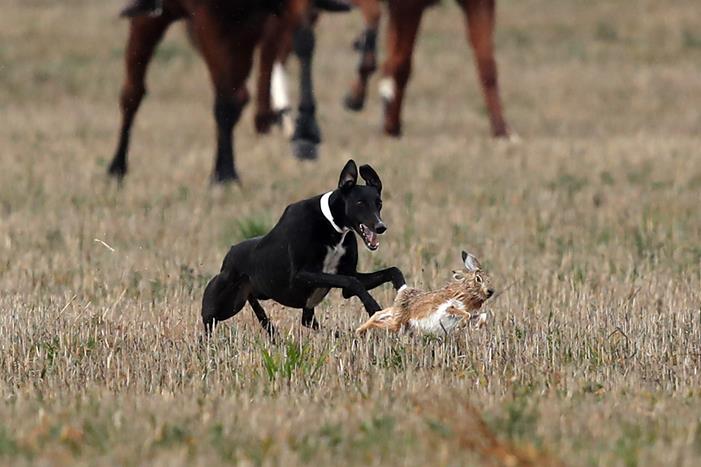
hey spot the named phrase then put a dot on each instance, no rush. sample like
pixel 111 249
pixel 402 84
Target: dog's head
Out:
pixel 475 281
pixel 362 203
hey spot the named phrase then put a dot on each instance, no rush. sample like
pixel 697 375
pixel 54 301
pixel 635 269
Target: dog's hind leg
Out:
pixel 223 298
pixel 309 320
pixel 262 317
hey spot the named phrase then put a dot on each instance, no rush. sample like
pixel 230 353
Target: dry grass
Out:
pixel 593 353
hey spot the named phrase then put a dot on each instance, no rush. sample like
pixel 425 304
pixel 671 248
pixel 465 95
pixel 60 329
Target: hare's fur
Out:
pixel 438 311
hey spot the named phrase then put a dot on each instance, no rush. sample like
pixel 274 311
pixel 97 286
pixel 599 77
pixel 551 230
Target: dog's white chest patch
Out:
pixel 333 257
pixel 330 266
pixel 440 321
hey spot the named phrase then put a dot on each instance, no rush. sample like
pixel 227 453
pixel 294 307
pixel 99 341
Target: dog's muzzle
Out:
pixel 371 237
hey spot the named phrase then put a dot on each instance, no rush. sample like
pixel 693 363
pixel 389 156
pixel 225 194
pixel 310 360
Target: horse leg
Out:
pixel 227 112
pixel 307 135
pixel 273 101
pixel 479 24
pixel 281 99
pixel 229 56
pixel 403 26
pixel 265 115
pixel 366 45
pixel 144 34
pixel 279 88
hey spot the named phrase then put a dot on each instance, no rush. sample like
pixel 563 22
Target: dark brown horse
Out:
pixel 292 31
pixel 226 33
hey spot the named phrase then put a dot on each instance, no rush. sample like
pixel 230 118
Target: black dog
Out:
pixel 311 250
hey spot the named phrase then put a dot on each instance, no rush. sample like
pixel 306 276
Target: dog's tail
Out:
pixel 385 319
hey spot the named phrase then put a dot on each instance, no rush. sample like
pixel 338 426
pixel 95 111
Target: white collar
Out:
pixel 326 211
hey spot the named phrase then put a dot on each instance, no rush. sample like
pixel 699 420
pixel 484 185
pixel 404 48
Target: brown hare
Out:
pixel 438 311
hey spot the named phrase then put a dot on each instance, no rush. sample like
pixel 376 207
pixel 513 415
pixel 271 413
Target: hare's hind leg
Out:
pixel 385 319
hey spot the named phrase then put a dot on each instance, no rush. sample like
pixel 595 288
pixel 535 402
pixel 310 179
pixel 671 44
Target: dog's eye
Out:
pixel 478 279
pixel 360 203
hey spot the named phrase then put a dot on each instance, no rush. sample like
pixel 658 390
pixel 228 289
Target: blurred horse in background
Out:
pixel 404 20
pixel 292 31
pixel 226 32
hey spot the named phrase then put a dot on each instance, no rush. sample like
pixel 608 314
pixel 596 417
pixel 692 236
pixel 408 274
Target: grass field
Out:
pixel 590 228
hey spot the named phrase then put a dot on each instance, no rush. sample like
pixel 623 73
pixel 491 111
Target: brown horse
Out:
pixel 404 19
pixel 226 33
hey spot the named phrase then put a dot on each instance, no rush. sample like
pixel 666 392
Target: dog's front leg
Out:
pixel 350 285
pixel 370 280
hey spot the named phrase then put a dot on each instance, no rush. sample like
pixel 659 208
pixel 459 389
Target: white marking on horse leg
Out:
pixel 278 87
pixel 281 98
pixel 387 88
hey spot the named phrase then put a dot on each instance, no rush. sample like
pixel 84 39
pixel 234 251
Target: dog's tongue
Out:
pixel 373 239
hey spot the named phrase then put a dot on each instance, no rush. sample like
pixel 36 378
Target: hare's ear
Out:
pixel 458 275
pixel 471 262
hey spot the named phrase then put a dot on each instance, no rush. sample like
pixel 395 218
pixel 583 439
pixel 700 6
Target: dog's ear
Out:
pixel 471 262
pixel 349 175
pixel 371 177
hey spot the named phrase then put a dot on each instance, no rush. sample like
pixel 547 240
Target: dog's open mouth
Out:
pixel 371 239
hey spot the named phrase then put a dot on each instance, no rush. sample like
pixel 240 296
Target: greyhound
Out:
pixel 310 250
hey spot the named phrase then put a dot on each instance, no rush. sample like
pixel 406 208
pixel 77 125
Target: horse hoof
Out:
pixel 500 131
pixel 264 122
pixel 505 134
pixel 117 172
pixel 304 149
pixel 353 103
pixel 394 131
pixel 225 177
pixel 513 138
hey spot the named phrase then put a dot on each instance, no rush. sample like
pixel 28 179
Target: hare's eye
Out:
pixel 478 279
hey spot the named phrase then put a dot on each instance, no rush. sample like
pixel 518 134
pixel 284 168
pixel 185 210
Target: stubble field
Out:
pixel 590 228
